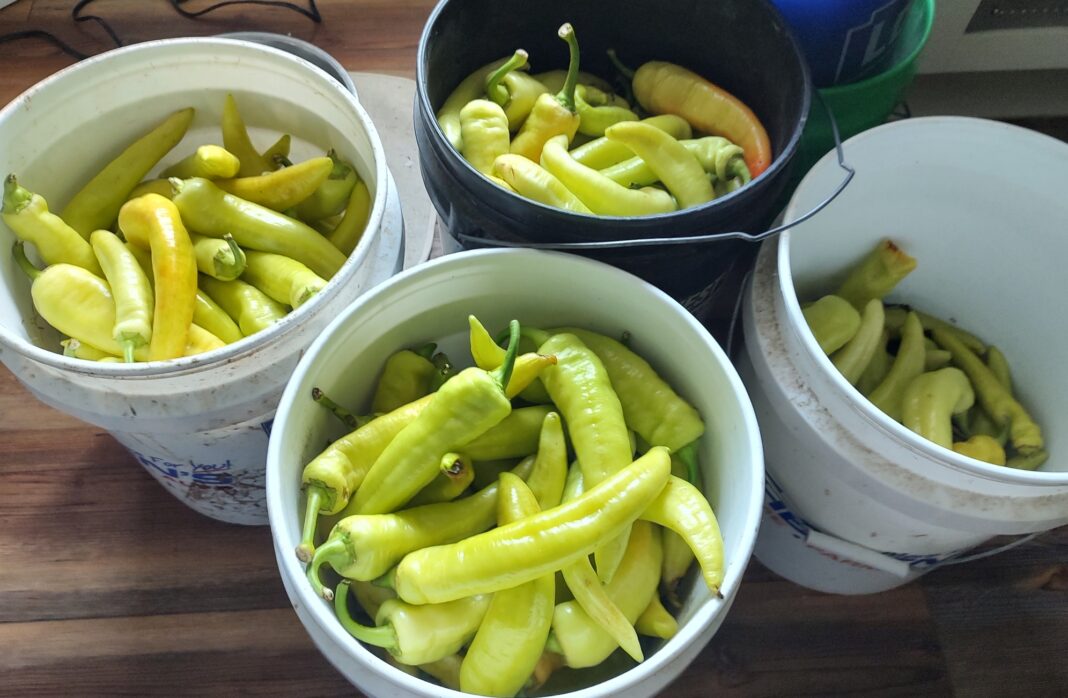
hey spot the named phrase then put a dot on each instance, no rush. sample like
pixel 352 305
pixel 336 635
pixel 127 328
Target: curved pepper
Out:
pixel 236 140
pixel 665 88
pixel 533 181
pixel 581 389
pixel 514 91
pixel 552 115
pixel 405 377
pixel 97 204
pixel 330 479
pixel 594 119
pixel 283 279
pixel 208 161
pixel 484 128
pixel 416 634
pixel 853 358
pixel 675 166
pixel 600 194
pixel 581 641
pixel 281 189
pixel 879 366
pixel 550 463
pixel 510 640
pixel 908 364
pixel 874 276
pixel 131 289
pixel 366 546
pixel 678 557
pixel 219 258
pixel 208 210
pixel 720 159
pixel 683 509
pixel 471 87
pixel 930 400
pixel 524 550
pixel 463 409
pixel 832 320
pixel 251 308
pixel 346 235
pixel 656 621
pixel 651 407
pixel 981 447
pixel 332 194
pixel 996 399
pixel 56 242
pixel 601 153
pixel 153 222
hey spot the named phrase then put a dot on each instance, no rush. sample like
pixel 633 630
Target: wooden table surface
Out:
pixel 110 586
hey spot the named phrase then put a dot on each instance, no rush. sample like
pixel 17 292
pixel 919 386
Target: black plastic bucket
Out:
pixel 744 46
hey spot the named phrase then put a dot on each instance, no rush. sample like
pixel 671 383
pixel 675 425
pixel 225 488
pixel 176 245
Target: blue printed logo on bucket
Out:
pixel 846 40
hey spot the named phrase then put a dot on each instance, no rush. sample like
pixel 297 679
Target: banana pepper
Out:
pixel 56 242
pixel 552 115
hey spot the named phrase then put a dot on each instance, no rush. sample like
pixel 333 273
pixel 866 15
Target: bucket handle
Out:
pixel 466 238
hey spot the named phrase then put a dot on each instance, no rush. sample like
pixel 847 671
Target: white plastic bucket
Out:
pixel 200 424
pixel 431 303
pixel 856 502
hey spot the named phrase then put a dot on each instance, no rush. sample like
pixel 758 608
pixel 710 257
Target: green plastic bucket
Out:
pixel 861 105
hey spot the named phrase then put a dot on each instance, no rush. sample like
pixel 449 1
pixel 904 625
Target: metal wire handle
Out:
pixel 465 238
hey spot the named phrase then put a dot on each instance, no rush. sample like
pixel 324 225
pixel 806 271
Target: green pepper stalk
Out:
pixel 330 479
pixel 524 550
pixel 552 115
pixel 415 634
pixel 601 153
pixel 221 259
pixel 511 638
pixel 366 546
pixel 676 167
pixel 650 405
pixel 56 242
pixel 461 410
pixel 346 416
pixel 599 193
pixel 209 210
pixel 514 91
pixel 583 642
pixel 332 194
pixel 134 301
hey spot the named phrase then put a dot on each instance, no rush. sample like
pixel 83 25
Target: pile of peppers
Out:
pixel 566 139
pixel 939 380
pixel 218 246
pixel 535 512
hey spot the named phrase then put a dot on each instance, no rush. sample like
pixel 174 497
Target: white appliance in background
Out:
pixel 995 58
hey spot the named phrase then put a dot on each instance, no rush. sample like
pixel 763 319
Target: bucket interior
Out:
pixel 124 97
pixel 989 241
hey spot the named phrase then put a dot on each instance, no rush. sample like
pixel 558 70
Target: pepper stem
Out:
pixel 15 197
pixel 626 72
pixel 340 412
pixel 238 254
pixel 387 581
pixel 566 95
pixel 311 517
pixel 496 91
pixel 382 636
pixel 504 373
pixel 332 547
pixel 128 350
pixel 19 252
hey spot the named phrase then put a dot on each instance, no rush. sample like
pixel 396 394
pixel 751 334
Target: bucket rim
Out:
pixel 453 160
pixel 788 295
pixel 894 71
pixel 255 342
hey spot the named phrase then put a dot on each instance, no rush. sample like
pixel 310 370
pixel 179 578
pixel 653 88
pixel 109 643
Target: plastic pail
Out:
pixel 431 302
pixel 754 57
pixel 868 102
pixel 856 502
pixel 199 424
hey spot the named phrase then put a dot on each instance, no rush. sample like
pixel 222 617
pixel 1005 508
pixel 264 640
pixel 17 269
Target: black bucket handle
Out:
pixel 464 238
